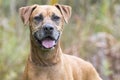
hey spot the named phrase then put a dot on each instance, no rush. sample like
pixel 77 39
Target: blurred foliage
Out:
pixel 88 17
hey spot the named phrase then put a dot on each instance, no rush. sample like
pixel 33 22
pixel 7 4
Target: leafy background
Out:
pixel 88 17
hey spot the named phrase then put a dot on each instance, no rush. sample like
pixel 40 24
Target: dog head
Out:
pixel 46 22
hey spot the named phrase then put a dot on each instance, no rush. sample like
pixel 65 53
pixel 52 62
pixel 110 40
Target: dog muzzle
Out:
pixel 47 37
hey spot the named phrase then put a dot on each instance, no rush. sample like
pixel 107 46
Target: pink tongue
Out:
pixel 48 43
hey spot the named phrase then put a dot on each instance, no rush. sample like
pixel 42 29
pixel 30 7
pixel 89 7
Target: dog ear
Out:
pixel 25 13
pixel 65 11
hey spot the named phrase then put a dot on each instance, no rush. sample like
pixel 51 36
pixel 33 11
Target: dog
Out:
pixel 46 60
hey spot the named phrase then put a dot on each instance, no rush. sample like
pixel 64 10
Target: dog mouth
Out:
pixel 47 42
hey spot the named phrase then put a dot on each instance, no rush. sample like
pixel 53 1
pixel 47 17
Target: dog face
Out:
pixel 46 23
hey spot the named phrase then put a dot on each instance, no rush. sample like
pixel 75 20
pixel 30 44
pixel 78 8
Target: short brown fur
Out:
pixel 53 64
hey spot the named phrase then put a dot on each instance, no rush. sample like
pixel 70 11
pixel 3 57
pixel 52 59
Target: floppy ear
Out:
pixel 25 13
pixel 65 11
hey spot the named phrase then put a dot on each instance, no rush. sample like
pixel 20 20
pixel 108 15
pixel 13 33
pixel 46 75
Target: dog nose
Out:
pixel 48 28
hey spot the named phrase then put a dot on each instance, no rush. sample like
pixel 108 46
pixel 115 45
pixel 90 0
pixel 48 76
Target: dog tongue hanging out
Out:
pixel 47 61
pixel 48 43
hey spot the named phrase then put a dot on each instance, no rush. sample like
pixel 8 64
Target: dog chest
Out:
pixel 49 73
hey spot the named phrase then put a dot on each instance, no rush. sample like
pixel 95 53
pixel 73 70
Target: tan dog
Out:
pixel 46 61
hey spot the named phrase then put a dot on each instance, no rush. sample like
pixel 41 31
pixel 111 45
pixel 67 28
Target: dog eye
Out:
pixel 55 18
pixel 38 18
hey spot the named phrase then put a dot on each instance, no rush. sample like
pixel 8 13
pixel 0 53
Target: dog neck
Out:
pixel 45 58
